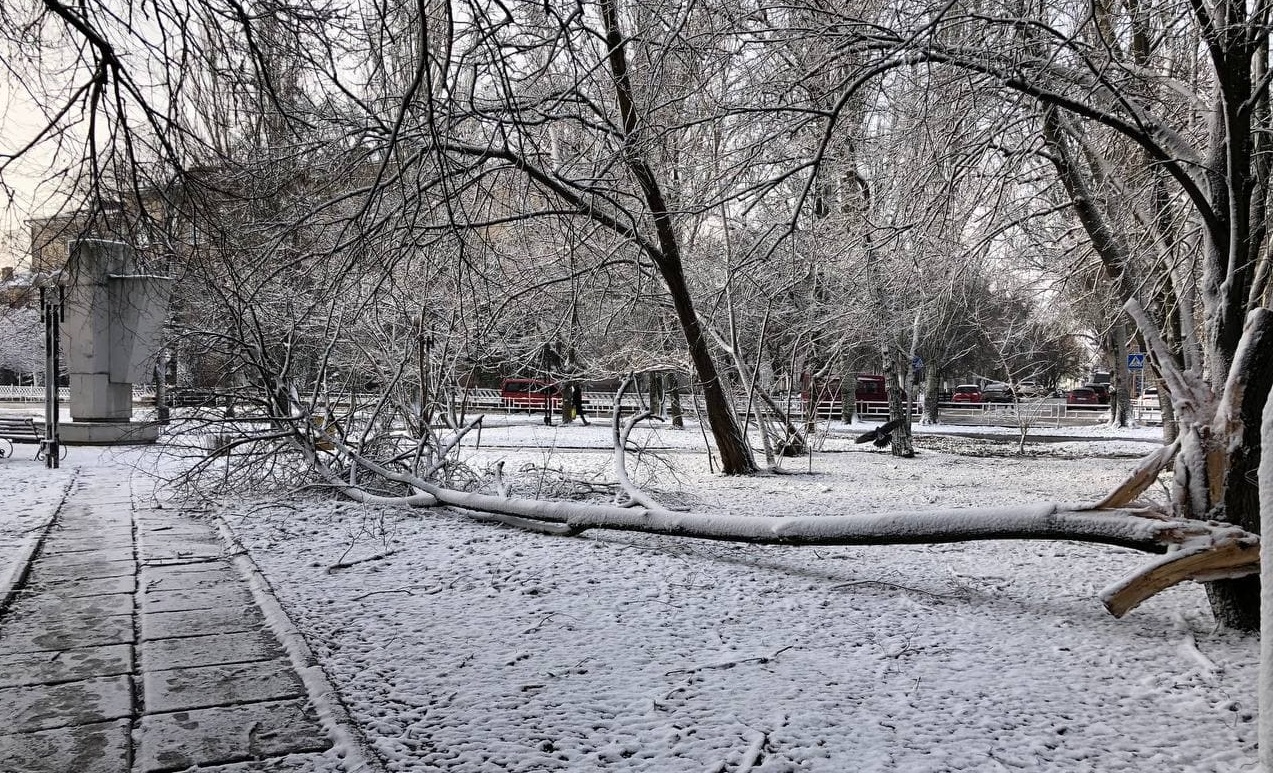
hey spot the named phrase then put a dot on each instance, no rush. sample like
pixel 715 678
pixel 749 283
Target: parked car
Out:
pixel 1030 389
pixel 1148 400
pixel 1082 396
pixel 870 388
pixel 966 393
pixel 527 393
pixel 1101 390
pixel 996 392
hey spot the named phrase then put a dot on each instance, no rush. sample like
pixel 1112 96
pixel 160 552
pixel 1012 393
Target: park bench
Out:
pixel 18 429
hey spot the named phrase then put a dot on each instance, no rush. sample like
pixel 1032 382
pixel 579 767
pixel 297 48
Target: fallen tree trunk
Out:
pixel 1194 549
pixel 1137 529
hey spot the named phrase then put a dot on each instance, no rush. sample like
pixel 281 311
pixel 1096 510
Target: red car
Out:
pixel 527 393
pixel 966 393
pixel 1082 396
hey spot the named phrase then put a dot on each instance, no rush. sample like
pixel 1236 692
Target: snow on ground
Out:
pixel 30 494
pixel 473 647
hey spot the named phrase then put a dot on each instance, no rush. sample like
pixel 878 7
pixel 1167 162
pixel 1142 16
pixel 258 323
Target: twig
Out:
pixel 346 564
pixel 895 586
pixel 375 592
pixel 759 660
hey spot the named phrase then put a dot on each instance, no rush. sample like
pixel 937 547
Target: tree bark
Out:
pixel 674 401
pixel 731 442
pixel 1246 394
pixel 1120 402
pixel 1265 483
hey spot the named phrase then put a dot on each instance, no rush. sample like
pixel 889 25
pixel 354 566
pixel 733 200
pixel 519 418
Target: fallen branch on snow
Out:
pixel 1195 550
pixel 347 564
pixel 758 660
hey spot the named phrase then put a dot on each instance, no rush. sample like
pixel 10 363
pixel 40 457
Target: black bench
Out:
pixel 18 429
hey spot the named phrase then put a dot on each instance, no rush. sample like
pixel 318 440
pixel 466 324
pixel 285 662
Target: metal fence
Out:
pixel 1037 413
pixel 35 394
pixel 1049 412
pixel 30 394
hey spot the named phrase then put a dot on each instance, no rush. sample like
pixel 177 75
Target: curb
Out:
pixel 17 575
pixel 354 752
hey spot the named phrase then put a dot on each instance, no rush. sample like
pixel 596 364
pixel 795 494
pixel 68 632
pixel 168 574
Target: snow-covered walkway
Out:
pixel 130 641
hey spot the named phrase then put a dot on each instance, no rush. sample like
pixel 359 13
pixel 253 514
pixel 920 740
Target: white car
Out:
pixel 1148 400
pixel 1030 389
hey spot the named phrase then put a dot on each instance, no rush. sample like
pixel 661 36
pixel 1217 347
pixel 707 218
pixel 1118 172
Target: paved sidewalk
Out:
pixel 135 644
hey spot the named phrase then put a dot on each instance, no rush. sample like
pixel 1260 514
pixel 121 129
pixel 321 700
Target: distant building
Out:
pixel 51 237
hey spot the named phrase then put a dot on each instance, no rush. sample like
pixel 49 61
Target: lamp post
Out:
pixel 52 314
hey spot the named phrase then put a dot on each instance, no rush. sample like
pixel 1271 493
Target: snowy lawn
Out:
pixel 474 647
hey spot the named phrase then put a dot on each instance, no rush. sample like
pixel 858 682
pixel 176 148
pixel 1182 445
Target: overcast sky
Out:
pixel 28 184
pixel 19 199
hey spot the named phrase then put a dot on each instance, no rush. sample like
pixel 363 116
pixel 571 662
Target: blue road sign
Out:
pixel 1136 361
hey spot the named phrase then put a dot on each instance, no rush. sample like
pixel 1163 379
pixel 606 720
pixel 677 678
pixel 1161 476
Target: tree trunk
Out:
pixel 898 408
pixel 656 393
pixel 1237 602
pixel 1265 691
pixel 674 402
pixel 731 441
pixel 1170 426
pixel 932 402
pixel 571 402
pixel 848 397
pixel 1120 401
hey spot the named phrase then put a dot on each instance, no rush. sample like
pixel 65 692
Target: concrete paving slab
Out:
pixel 172 524
pixel 170 529
pixel 150 522
pixel 210 597
pixel 82 540
pixel 229 619
pixel 202 574
pixel 77 558
pixel 192 651
pixel 60 586
pixel 42 609
pixel 46 706
pixel 178 535
pixel 86 543
pixel 65 666
pixel 65 634
pixel 91 568
pixel 227 734
pixel 180 689
pixel 177 551
pixel 97 748
pixel 78 518
pixel 81 513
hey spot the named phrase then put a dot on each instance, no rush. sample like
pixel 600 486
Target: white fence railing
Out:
pixel 1054 413
pixel 1035 412
pixel 30 394
pixel 35 394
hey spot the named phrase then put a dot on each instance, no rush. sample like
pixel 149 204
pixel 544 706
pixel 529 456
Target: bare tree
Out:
pixel 309 215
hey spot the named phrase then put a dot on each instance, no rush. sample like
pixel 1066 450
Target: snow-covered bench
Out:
pixel 17 429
